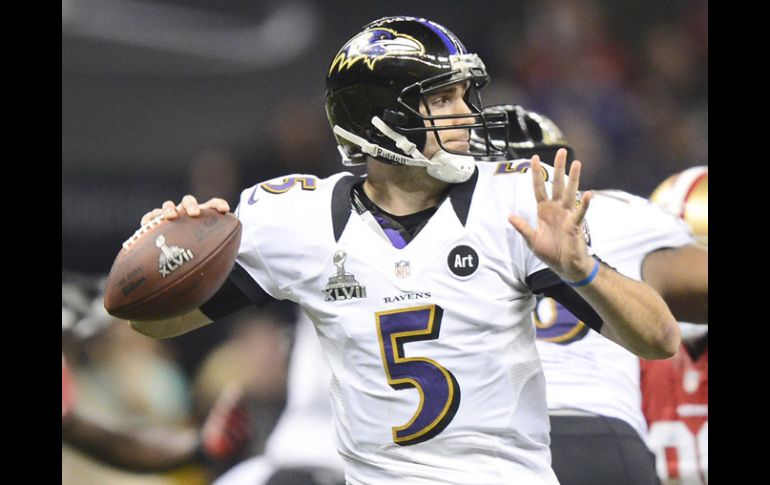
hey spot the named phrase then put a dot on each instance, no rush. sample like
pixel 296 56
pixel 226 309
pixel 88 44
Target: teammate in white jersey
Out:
pixel 593 388
pixel 420 294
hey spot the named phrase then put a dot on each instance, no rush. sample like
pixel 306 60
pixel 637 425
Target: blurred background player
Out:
pixel 685 195
pixel 301 449
pixel 134 436
pixel 593 391
pixel 675 391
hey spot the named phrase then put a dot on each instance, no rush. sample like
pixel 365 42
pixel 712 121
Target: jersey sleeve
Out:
pixel 250 281
pixel 625 228
pixel 287 224
pixel 525 206
pixel 263 210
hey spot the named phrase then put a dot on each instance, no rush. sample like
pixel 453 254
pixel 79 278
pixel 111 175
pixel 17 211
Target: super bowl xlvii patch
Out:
pixel 343 285
pixel 171 257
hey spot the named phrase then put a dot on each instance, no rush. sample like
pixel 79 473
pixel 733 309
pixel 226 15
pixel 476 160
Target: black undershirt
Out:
pixel 408 225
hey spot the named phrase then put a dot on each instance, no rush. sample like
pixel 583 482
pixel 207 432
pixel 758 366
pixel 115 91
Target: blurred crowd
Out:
pixel 142 391
pixel 632 98
pixel 627 82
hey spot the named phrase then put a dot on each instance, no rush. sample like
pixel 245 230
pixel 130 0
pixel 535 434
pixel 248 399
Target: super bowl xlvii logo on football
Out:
pixel 171 257
pixel 343 285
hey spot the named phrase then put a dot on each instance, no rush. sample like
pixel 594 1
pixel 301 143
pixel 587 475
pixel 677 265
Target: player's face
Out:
pixel 447 101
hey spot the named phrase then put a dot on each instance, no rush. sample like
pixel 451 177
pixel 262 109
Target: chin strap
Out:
pixel 443 166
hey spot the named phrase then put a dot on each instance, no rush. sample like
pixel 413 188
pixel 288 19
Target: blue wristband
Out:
pixel 588 278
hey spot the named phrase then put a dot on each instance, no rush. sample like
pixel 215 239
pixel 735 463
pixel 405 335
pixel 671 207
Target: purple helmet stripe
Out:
pixel 452 43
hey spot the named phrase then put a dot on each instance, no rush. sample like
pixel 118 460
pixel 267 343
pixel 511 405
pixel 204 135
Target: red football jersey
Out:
pixel 675 404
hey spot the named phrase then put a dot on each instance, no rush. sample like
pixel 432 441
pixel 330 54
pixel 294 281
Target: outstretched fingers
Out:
pixel 582 208
pixel 568 197
pixel 558 173
pixel 538 183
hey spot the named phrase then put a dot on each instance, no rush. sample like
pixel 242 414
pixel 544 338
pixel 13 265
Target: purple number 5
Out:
pixel 438 388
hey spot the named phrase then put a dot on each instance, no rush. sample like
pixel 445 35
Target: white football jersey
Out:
pixel 435 375
pixel 585 371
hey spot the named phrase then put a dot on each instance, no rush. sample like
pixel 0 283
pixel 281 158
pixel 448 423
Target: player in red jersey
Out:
pixel 675 391
pixel 675 403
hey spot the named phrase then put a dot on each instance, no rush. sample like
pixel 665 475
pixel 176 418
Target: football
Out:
pixel 170 267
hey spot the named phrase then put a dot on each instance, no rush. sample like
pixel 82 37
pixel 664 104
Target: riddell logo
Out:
pixel 379 152
pixel 463 261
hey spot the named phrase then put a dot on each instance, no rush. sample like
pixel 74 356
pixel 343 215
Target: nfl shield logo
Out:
pixel 402 269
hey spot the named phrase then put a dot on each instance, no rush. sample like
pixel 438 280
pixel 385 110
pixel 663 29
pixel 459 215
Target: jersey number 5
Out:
pixel 438 388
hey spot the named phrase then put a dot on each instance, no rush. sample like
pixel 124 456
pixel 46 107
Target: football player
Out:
pixel 308 415
pixel 222 439
pixel 675 391
pixel 593 392
pixel 419 291
pixel 301 446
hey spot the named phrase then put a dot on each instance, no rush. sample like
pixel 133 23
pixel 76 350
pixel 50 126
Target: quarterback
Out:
pixel 592 383
pixel 418 288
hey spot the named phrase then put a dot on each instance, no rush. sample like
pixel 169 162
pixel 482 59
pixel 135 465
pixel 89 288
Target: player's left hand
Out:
pixel 227 430
pixel 558 240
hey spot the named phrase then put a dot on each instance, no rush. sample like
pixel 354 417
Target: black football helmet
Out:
pixel 375 85
pixel 529 133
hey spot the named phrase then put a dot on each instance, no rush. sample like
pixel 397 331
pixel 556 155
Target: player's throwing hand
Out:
pixel 189 205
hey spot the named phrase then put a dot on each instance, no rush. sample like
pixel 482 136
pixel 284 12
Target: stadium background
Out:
pixel 166 97
pixel 163 97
